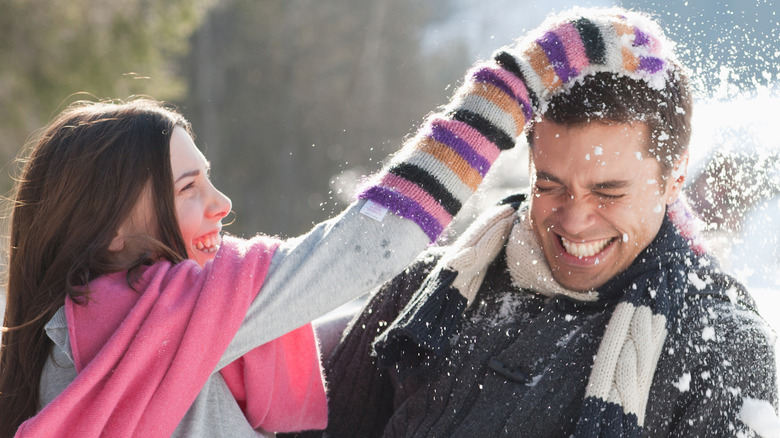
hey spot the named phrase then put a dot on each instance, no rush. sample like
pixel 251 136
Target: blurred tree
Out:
pixel 286 94
pixel 51 50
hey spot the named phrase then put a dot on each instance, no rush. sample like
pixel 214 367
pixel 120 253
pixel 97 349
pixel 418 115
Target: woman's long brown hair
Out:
pixel 82 178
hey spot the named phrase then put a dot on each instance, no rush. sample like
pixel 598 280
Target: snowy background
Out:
pixel 732 48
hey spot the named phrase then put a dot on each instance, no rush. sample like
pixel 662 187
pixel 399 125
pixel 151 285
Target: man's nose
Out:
pixel 576 215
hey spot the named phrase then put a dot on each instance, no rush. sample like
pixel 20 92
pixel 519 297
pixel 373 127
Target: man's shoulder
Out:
pixel 396 292
pixel 422 266
pixel 720 354
pixel 724 313
pixel 429 257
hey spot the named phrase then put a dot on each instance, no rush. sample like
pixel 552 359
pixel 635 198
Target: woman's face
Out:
pixel 200 207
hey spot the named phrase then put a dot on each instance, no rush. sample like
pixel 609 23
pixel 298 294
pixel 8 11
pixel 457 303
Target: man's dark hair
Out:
pixel 613 98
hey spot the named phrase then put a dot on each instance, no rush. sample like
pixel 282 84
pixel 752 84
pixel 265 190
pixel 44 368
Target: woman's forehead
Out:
pixel 185 156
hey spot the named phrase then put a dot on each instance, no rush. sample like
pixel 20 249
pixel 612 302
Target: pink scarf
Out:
pixel 143 357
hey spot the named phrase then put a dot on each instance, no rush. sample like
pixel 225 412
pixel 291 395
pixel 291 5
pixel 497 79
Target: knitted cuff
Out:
pixel 434 174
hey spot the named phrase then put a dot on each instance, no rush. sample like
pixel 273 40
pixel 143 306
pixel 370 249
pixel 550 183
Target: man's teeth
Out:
pixel 209 244
pixel 588 249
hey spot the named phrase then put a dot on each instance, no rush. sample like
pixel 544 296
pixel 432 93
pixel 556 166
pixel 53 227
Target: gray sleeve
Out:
pixel 59 370
pixel 338 260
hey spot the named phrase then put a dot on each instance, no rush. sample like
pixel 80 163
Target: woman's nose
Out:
pixel 220 205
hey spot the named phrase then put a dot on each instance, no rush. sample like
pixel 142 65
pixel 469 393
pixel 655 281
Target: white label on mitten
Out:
pixel 373 210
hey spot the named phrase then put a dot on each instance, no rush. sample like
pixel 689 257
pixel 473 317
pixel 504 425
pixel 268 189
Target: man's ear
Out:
pixel 677 178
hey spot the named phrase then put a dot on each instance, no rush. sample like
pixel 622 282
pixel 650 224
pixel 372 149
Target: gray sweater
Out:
pixel 338 260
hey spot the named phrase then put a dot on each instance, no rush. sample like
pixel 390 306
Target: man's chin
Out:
pixel 578 282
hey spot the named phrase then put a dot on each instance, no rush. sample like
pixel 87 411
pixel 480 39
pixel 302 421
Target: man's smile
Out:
pixel 585 249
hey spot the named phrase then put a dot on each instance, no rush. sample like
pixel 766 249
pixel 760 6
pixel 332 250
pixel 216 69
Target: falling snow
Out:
pixel 684 384
pixel 696 281
pixel 708 333
pixel 760 416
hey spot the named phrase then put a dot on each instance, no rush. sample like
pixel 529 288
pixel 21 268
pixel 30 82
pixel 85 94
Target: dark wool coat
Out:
pixel 519 364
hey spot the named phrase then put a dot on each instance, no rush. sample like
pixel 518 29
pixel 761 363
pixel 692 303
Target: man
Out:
pixel 591 308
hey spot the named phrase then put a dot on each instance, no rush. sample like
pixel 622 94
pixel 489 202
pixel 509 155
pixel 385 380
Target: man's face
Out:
pixel 598 198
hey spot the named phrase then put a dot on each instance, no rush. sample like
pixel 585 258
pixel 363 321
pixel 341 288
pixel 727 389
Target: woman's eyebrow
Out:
pixel 194 172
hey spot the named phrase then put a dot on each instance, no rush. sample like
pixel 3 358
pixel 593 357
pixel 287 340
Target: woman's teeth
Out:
pixel 588 249
pixel 208 244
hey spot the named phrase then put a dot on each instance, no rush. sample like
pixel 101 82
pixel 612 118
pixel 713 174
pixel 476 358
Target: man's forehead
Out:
pixel 601 152
pixel 599 136
pixel 545 128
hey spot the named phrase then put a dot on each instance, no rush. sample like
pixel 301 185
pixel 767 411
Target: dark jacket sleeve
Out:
pixel 724 378
pixel 360 395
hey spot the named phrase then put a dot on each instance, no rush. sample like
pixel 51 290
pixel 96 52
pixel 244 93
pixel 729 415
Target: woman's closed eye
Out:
pixel 186 188
pixel 192 177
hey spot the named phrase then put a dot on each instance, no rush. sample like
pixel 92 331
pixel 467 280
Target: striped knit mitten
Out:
pixel 439 168
pixel 436 171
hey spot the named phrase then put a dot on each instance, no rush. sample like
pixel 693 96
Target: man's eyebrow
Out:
pixel 611 184
pixel 541 174
pixel 603 185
